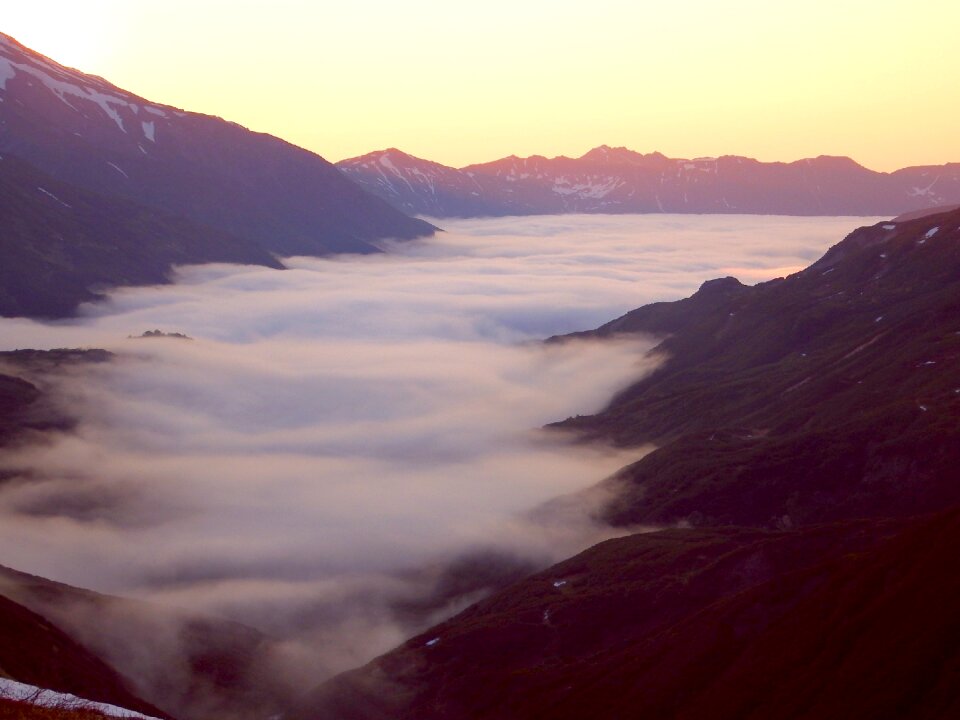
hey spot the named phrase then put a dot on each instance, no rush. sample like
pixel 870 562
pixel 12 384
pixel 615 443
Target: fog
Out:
pixel 337 429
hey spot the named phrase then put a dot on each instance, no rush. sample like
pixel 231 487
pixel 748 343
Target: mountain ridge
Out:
pixel 619 180
pixel 256 196
pixel 855 355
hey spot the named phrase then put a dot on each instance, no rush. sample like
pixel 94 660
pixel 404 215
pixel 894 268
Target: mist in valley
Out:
pixel 338 435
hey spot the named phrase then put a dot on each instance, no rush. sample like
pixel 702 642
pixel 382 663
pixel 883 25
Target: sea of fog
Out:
pixel 337 424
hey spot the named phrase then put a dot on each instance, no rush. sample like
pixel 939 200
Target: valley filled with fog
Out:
pixel 334 430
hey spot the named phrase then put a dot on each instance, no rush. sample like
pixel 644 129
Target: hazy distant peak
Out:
pixel 393 152
pixel 607 154
pixel 391 158
pixel 372 155
pixel 391 155
pixel 610 179
pixel 836 162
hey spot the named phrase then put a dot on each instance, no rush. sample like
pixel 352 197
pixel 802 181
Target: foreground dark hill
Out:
pixel 36 652
pixel 618 180
pixel 855 619
pixel 192 667
pixel 832 393
pixel 253 194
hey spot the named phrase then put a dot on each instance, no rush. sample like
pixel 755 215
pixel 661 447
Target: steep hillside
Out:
pixel 832 393
pixel 60 243
pixel 618 180
pixel 37 652
pixel 255 195
pixel 421 187
pixel 849 620
pixel 192 667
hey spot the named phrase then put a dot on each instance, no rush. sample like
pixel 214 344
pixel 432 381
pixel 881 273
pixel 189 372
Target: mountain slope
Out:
pixel 418 186
pixel 618 180
pixel 83 131
pixel 59 243
pixel 36 652
pixel 847 620
pixel 193 667
pixel 832 393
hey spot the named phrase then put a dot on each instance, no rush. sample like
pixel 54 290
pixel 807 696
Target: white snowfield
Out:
pixel 13 690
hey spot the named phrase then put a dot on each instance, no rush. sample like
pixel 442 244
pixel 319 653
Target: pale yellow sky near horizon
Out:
pixel 464 82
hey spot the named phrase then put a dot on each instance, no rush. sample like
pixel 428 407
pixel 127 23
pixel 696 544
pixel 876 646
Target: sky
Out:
pixel 335 425
pixel 463 82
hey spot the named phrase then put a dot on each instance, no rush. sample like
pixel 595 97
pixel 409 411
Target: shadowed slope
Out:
pixel 60 244
pixel 829 622
pixel 36 652
pixel 832 393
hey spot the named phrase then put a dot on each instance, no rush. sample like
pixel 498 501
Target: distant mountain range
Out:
pixel 618 180
pixel 101 187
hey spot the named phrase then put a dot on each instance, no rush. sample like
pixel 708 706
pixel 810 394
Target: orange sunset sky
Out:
pixel 462 82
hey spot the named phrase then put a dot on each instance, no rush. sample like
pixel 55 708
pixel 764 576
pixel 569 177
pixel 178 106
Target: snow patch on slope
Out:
pixel 63 89
pixel 21 692
pixel 118 169
pixel 7 72
pixel 69 85
pixel 51 195
pixel 595 187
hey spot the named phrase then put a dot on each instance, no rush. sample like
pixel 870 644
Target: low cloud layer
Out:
pixel 337 426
